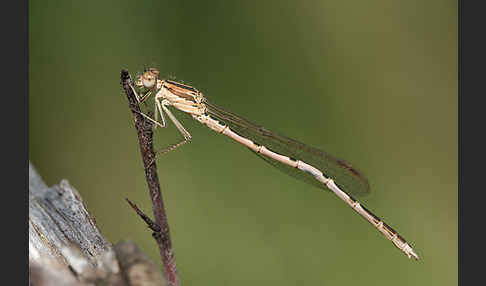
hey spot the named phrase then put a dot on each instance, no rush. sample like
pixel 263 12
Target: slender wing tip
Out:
pixel 365 189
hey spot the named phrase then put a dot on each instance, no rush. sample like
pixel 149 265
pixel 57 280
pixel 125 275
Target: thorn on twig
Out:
pixel 150 223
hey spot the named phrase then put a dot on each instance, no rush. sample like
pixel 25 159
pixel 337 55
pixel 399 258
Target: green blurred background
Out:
pixel 373 82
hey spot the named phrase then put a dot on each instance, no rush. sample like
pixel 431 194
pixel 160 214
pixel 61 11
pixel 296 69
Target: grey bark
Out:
pixel 67 248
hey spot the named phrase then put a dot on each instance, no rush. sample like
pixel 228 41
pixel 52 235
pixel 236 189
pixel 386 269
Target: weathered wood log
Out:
pixel 67 248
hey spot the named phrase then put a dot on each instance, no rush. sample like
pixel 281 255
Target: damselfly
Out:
pixel 300 161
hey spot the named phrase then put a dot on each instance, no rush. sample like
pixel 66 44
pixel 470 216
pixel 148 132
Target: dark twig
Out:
pixel 160 227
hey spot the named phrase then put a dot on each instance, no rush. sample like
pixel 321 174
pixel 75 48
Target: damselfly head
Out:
pixel 148 79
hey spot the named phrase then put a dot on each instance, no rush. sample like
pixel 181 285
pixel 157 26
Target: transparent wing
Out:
pixel 344 175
